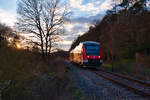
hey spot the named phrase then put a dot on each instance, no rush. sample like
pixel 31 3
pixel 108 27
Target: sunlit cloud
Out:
pixel 106 5
pixel 7 18
pixel 73 30
pixel 66 42
pixel 69 27
pixel 98 2
pixel 94 7
pixel 78 4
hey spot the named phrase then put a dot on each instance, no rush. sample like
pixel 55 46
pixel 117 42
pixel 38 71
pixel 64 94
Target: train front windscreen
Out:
pixel 93 50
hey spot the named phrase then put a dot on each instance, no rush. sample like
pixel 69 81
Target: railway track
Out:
pixel 137 86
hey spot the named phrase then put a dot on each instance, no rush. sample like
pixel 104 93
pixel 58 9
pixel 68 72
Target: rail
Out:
pixel 137 86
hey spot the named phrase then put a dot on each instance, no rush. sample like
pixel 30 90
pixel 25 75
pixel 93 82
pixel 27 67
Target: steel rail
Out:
pixel 128 78
pixel 125 85
pixel 129 87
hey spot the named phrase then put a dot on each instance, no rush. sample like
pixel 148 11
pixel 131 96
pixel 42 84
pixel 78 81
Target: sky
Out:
pixel 83 14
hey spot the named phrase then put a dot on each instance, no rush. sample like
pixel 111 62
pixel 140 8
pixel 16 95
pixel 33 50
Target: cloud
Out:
pixel 106 5
pixel 85 22
pixel 7 18
pixel 86 11
pixel 87 19
pixel 93 7
pixel 98 2
pixel 83 7
pixel 66 41
pixel 69 27
pixel 77 26
pixel 81 25
pixel 64 46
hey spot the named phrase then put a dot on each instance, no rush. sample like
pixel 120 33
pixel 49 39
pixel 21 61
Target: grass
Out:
pixel 17 64
pixel 21 68
pixel 117 66
pixel 109 66
pixel 131 68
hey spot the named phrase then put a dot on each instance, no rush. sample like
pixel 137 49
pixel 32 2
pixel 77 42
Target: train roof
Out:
pixel 90 42
pixel 77 49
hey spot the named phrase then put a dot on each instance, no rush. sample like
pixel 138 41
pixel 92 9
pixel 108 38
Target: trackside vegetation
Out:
pixel 25 75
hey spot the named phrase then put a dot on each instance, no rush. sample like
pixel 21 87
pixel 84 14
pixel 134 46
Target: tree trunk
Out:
pixel 50 45
pixel 46 47
pixel 42 46
pixel 43 54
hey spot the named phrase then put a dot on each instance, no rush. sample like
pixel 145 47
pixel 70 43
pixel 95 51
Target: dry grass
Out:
pixel 33 78
pixel 19 64
pixel 131 68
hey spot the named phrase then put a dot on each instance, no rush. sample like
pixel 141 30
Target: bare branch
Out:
pixel 43 19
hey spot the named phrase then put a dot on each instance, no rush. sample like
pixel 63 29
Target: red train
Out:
pixel 87 53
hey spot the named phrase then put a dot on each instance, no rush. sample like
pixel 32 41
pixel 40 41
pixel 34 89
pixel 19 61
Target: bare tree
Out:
pixel 43 20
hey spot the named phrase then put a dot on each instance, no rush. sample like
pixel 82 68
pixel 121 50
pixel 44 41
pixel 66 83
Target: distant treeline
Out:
pixel 5 31
pixel 124 28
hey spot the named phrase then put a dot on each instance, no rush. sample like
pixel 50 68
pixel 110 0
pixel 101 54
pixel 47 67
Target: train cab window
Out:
pixel 93 49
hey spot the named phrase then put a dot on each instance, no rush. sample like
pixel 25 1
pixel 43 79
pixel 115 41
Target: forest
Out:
pixel 124 34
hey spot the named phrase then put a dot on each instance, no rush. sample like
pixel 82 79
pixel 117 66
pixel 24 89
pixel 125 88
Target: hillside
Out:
pixel 127 31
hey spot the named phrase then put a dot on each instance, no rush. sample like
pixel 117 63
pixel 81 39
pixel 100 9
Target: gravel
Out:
pixel 97 88
pixel 128 82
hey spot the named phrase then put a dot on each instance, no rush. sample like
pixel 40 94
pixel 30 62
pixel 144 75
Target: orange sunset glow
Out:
pixel 18 46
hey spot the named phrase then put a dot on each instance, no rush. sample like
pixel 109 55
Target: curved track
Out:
pixel 140 87
pixel 131 84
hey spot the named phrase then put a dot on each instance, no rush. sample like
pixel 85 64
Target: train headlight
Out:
pixel 88 56
pixel 99 56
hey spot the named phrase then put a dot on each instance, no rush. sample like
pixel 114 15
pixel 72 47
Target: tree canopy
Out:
pixel 43 20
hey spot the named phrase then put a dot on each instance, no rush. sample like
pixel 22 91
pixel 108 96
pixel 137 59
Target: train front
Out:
pixel 92 54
